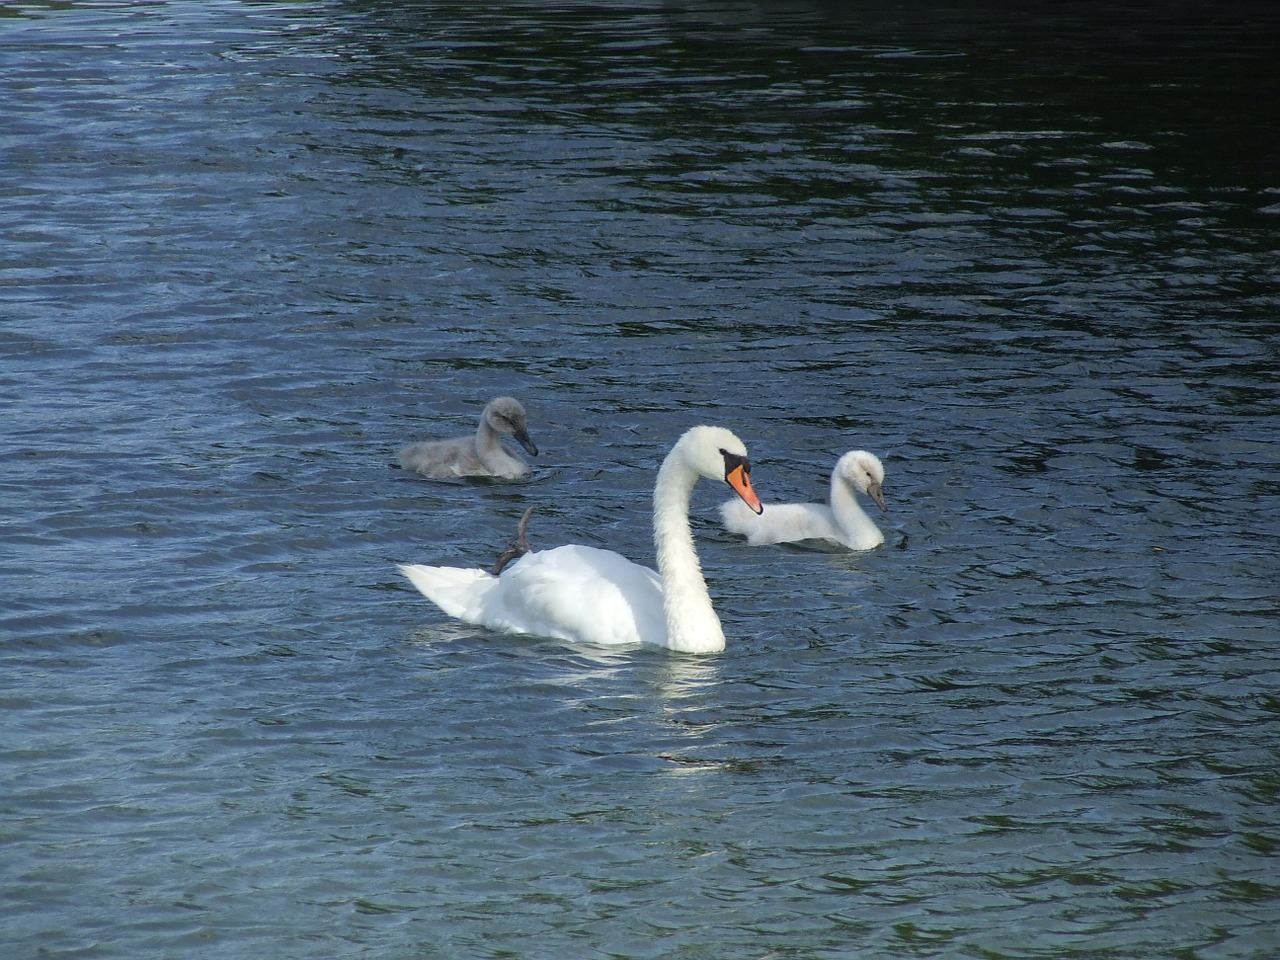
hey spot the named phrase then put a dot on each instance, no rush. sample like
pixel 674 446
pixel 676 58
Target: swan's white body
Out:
pixel 842 520
pixel 481 455
pixel 586 595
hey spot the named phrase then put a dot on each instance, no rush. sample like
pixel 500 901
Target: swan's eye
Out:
pixel 732 461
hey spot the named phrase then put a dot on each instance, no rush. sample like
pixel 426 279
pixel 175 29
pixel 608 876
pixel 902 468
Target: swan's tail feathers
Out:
pixel 458 591
pixel 738 517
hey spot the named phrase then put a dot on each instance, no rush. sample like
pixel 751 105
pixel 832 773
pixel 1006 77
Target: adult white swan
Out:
pixel 588 595
pixel 843 520
pixel 482 455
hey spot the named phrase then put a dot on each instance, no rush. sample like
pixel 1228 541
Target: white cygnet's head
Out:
pixel 864 472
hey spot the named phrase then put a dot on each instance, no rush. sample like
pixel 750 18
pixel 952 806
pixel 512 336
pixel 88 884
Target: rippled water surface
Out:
pixel 250 249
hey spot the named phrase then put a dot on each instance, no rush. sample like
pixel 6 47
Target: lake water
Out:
pixel 1032 261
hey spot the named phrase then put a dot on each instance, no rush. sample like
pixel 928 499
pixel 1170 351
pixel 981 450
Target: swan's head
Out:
pixel 505 415
pixel 717 454
pixel 863 471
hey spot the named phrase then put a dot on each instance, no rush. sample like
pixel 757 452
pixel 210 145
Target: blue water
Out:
pixel 250 249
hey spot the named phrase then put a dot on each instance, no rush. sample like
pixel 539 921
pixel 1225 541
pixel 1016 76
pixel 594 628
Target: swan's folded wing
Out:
pixel 441 459
pixel 581 594
pixel 781 522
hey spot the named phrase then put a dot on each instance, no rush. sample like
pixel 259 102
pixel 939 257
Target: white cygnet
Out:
pixel 842 521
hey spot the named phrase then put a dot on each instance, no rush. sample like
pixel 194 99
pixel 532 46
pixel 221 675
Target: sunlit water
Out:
pixel 251 249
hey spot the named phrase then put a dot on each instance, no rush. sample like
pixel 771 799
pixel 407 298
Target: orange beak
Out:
pixel 740 480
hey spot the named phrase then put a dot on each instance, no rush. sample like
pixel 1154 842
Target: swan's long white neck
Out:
pixel 692 624
pixel 851 518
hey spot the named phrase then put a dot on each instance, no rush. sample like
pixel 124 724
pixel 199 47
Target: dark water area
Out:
pixel 1029 258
